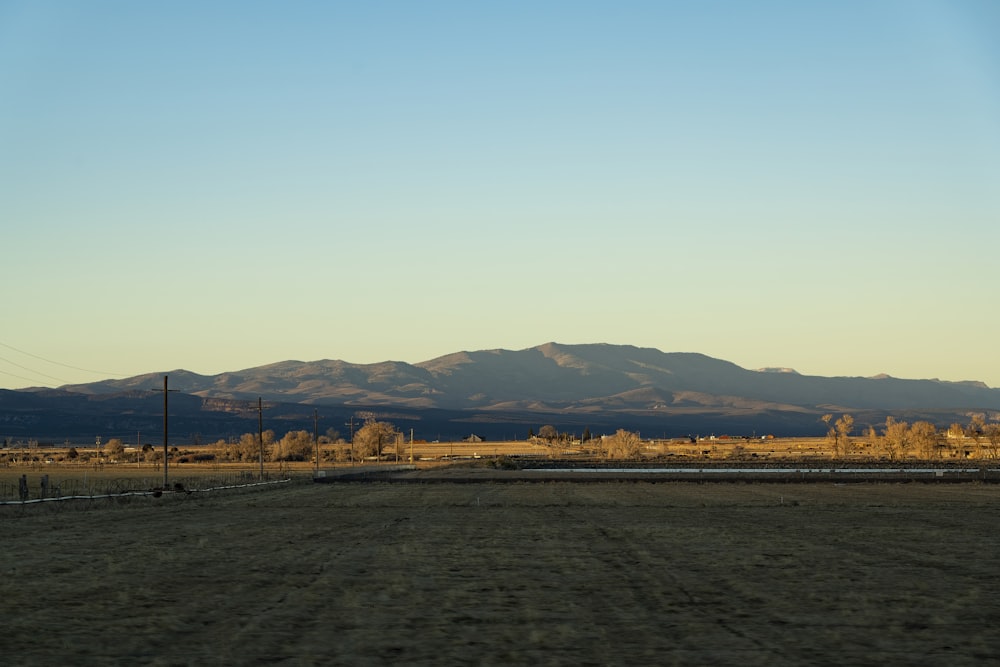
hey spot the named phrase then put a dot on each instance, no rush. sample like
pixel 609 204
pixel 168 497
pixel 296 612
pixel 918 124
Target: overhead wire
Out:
pixel 15 375
pixel 32 370
pixel 57 363
pixel 41 374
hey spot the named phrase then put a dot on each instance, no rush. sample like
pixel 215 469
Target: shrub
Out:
pixel 505 463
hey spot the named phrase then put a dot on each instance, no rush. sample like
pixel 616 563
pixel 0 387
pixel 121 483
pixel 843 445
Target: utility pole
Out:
pixel 316 436
pixel 260 434
pixel 165 452
pixel 351 424
pixel 411 445
pixel 166 478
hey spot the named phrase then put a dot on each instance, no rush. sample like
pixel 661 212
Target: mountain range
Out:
pixel 500 391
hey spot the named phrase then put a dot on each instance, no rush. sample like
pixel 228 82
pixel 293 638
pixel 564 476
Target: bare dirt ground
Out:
pixel 479 573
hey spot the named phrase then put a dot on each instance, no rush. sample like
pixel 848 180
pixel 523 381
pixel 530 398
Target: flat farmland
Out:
pixel 551 573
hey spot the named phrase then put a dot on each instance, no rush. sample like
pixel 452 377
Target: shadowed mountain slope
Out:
pixel 495 393
pixel 563 377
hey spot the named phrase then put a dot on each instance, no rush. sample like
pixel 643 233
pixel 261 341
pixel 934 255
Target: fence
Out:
pixel 77 489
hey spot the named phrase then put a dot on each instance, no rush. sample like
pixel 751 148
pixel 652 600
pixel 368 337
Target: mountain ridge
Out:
pixel 555 374
pixel 496 393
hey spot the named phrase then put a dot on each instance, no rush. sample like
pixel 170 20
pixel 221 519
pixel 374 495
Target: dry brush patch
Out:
pixel 552 573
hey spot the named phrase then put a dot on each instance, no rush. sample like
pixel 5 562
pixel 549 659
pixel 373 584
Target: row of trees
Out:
pixel 623 444
pixel 894 440
pixel 372 439
pixel 898 439
pixel 551 435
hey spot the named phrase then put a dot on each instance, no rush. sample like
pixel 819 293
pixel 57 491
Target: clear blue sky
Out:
pixel 215 186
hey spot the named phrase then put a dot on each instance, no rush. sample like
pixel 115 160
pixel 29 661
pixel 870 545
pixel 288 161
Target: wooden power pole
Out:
pixel 316 437
pixel 165 452
pixel 166 478
pixel 260 434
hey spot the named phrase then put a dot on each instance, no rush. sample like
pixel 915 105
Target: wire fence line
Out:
pixel 178 489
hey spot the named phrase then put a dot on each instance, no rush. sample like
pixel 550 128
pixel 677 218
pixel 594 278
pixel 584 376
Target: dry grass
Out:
pixel 553 573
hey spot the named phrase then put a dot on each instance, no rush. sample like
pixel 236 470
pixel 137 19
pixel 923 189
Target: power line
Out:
pixel 32 370
pixel 20 377
pixel 58 363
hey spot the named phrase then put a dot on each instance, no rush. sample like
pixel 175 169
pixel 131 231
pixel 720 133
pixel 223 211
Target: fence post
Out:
pixel 23 487
pixel 45 486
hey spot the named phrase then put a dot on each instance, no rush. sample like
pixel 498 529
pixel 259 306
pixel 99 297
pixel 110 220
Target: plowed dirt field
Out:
pixel 480 573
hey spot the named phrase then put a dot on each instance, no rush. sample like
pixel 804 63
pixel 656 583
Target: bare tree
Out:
pixel 975 429
pixel 622 445
pixel 831 435
pixel 370 439
pixel 992 434
pixel 874 439
pixel 556 447
pixel 248 448
pixel 924 437
pixel 895 438
pixel 844 427
pixel 548 432
pixel 115 449
pixel 295 446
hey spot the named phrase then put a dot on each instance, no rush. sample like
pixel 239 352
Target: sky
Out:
pixel 217 186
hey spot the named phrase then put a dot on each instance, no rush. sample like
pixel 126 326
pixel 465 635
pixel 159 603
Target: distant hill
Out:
pixel 563 376
pixel 586 384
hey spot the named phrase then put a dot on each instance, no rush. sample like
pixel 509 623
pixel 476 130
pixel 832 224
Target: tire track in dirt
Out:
pixel 664 594
pixel 501 574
